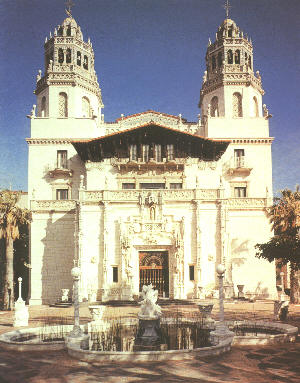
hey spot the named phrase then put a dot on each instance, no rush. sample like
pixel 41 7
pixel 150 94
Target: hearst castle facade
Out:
pixel 150 197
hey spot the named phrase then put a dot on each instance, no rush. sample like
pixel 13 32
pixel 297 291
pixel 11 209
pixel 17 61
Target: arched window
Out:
pixel 255 107
pixel 68 56
pixel 78 58
pixel 85 62
pixel 220 59
pixel 69 30
pixel 60 31
pixel 43 107
pixel 230 57
pixel 214 109
pixel 62 105
pixel 237 57
pixel 86 109
pixel 61 56
pixel 213 62
pixel 237 108
pixel 249 62
pixel 230 32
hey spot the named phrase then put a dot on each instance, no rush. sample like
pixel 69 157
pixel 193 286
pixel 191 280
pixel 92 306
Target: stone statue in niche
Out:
pixel 152 203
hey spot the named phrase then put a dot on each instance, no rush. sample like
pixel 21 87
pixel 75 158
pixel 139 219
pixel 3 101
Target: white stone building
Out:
pixel 149 197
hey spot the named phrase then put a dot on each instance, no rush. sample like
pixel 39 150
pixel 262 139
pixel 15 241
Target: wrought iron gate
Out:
pixel 154 269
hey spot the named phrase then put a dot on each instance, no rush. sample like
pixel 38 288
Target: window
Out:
pixel 78 58
pixel 240 191
pixel 239 158
pixel 229 57
pixel 237 56
pixel 176 185
pixel 152 186
pixel 61 56
pixel 62 193
pixel 230 32
pixel 68 56
pixel 220 59
pixel 43 107
pixel 145 153
pixel 157 153
pixel 170 152
pixel 62 159
pixel 214 110
pixel 128 185
pixel 213 62
pixel 69 30
pixel 255 107
pixel 115 274
pixel 237 108
pixel 85 62
pixel 62 105
pixel 86 108
pixel 192 272
pixel 133 153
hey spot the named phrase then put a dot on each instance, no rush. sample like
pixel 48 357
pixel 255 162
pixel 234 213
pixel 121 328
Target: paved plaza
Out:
pixel 280 363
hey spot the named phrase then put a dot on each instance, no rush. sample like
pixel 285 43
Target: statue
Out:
pixel 208 110
pixel 149 308
pixel 266 111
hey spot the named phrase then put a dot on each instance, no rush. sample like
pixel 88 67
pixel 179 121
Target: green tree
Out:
pixel 12 217
pixel 284 247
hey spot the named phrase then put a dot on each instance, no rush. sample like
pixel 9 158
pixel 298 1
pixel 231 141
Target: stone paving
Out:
pixel 280 363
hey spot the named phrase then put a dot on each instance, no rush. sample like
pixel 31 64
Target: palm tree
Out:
pixel 11 218
pixel 285 218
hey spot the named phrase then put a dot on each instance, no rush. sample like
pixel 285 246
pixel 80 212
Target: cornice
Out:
pixel 252 140
pixel 47 141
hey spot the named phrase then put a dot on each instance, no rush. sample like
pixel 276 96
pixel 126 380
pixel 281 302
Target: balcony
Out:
pixel 127 164
pixel 60 172
pixel 239 166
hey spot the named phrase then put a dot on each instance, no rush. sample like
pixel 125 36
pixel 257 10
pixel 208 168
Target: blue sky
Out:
pixel 150 54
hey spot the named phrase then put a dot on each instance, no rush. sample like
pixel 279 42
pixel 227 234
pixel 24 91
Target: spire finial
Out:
pixel 69 5
pixel 227 6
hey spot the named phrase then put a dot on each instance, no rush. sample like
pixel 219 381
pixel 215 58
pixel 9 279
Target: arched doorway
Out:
pixel 154 269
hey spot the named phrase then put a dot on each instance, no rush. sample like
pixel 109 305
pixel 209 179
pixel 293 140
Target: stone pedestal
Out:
pixel 21 314
pixel 148 335
pixel 220 334
pixel 80 341
pixel 228 290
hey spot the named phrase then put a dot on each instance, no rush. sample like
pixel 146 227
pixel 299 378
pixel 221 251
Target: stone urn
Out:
pixel 97 312
pixel 205 309
pixel 65 295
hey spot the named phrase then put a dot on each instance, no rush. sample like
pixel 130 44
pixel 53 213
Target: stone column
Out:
pixel 76 337
pixel 105 251
pixel 198 251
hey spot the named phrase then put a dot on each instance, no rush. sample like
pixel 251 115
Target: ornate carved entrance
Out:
pixel 154 269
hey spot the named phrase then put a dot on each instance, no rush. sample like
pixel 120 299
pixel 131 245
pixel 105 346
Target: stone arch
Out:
pixel 237 107
pixel 63 104
pixel 86 107
pixel 85 62
pixel 214 109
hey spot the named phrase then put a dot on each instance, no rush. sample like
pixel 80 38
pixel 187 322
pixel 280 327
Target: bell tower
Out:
pixel 69 86
pixel 230 88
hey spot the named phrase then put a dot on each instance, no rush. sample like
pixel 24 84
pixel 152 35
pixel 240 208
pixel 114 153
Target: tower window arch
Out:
pixel 78 58
pixel 214 109
pixel 237 56
pixel 237 107
pixel 68 56
pixel 230 32
pixel 85 62
pixel 43 107
pixel 86 108
pixel 255 107
pixel 220 59
pixel 69 30
pixel 213 62
pixel 249 61
pixel 230 57
pixel 61 56
pixel 60 31
pixel 62 104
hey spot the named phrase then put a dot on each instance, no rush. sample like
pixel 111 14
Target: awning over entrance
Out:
pixel 117 144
